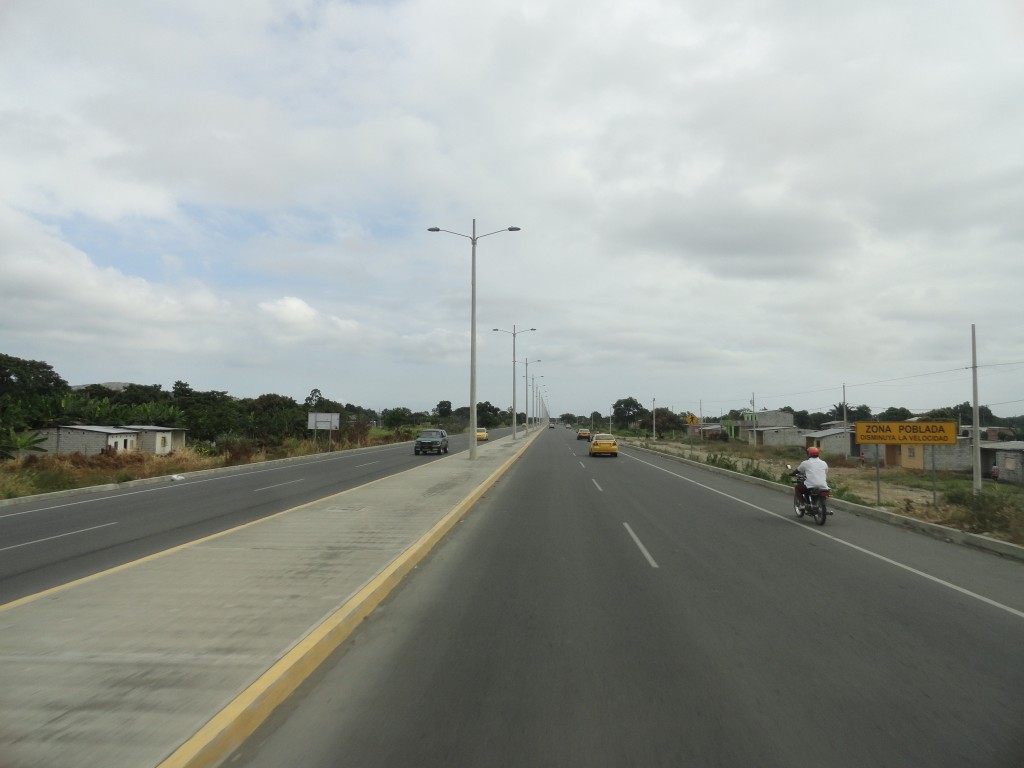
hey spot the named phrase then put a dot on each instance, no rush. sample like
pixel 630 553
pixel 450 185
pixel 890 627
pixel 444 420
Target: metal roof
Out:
pixel 829 432
pixel 153 428
pixel 100 430
pixel 1003 445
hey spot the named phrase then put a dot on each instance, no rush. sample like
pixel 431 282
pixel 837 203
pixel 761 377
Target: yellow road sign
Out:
pixel 906 432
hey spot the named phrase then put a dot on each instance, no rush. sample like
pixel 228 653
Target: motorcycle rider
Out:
pixel 815 472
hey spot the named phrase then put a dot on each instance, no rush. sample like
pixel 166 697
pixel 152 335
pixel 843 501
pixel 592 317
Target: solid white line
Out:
pixel 268 487
pixel 639 543
pixel 58 536
pixel 598 486
pixel 357 466
pixel 883 558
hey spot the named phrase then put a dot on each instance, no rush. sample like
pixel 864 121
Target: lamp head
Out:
pixel 513 229
pixel 434 229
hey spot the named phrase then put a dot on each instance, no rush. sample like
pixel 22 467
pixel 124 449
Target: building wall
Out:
pixel 837 445
pixel 768 418
pixel 88 443
pixel 1011 466
pixel 158 443
pixel 950 458
pixel 783 437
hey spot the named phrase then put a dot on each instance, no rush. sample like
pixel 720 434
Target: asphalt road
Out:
pixel 50 540
pixel 637 611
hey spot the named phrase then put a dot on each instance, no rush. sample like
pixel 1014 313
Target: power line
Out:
pixel 834 387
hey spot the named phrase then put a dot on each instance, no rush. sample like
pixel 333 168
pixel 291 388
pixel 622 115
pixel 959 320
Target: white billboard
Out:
pixel 323 421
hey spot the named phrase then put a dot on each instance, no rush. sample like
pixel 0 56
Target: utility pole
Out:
pixel 976 429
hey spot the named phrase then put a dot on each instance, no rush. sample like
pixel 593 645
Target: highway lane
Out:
pixel 636 611
pixel 50 540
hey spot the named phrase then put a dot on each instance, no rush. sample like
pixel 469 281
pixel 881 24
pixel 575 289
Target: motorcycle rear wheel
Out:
pixel 819 511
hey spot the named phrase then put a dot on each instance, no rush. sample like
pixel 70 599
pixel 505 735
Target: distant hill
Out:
pixel 116 386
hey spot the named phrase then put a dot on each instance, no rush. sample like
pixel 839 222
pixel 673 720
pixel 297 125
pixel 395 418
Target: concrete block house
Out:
pixel 88 441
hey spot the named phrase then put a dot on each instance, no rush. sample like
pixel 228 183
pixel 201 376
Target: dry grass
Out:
pixel 999 513
pixel 43 474
pixel 40 473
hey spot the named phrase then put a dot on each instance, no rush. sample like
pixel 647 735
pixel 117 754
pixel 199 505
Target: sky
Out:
pixel 719 203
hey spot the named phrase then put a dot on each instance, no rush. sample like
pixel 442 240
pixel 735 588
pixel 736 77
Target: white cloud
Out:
pixel 715 199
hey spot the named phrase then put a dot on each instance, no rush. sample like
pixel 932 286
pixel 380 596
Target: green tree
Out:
pixel 30 393
pixel 487 415
pixel 895 414
pixel 860 413
pixel 443 409
pixel 397 417
pixel 11 442
pixel 208 415
pixel 140 394
pixel 314 400
pixel 627 411
pixel 818 419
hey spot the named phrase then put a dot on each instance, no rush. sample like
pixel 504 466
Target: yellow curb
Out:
pixel 230 727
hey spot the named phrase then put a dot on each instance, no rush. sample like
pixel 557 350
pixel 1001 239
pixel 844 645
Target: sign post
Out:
pixel 905 433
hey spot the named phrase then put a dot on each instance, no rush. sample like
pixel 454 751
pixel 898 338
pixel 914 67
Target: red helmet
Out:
pixel 813 452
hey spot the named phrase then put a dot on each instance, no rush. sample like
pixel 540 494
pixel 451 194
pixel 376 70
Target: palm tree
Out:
pixel 13 442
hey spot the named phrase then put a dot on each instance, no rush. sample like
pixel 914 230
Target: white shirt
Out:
pixel 816 472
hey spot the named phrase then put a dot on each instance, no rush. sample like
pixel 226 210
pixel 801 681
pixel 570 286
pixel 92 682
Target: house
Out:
pixel 1008 455
pixel 987 433
pixel 752 427
pixel 837 440
pixel 88 441
pixel 944 458
pixel 158 440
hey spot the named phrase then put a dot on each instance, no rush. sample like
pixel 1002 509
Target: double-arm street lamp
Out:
pixel 532 382
pixel 472 330
pixel 514 332
pixel 528 392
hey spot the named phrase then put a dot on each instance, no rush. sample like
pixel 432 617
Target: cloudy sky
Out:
pixel 718 200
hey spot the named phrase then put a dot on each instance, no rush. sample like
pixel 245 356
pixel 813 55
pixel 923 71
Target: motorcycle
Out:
pixel 809 500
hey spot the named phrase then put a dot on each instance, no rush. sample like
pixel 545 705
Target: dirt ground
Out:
pixel 861 481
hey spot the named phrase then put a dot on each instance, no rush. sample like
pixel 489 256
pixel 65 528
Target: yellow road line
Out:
pixel 230 727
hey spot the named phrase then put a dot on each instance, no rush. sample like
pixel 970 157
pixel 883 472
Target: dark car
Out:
pixel 431 441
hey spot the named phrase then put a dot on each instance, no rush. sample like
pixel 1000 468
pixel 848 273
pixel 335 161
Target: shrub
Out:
pixel 984 512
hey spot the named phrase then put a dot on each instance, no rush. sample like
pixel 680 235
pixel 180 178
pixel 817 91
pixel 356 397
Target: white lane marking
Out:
pixel 598 486
pixel 268 487
pixel 636 540
pixel 583 465
pixel 883 558
pixel 58 536
pixel 357 466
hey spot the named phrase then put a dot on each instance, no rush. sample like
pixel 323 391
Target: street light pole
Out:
pixel 472 330
pixel 526 362
pixel 514 332
pixel 533 383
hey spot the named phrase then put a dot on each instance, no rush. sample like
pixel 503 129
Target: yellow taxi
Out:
pixel 481 433
pixel 603 443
